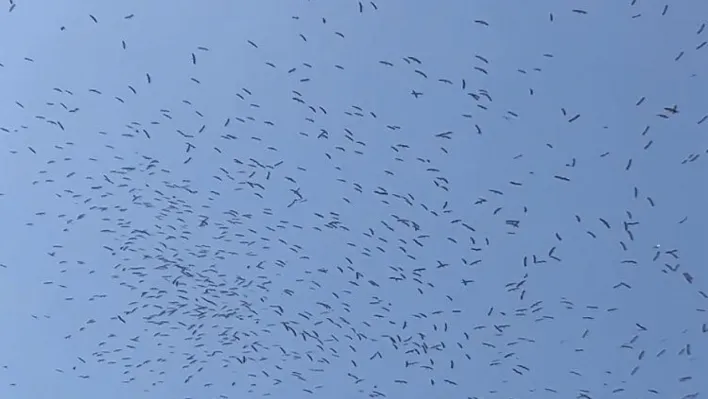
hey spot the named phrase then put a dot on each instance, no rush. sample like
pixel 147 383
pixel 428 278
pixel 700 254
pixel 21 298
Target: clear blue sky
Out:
pixel 348 209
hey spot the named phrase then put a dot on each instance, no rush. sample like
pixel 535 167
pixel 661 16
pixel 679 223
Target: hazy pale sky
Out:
pixel 310 199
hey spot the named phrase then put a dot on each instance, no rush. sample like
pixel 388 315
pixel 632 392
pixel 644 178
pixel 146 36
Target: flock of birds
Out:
pixel 292 237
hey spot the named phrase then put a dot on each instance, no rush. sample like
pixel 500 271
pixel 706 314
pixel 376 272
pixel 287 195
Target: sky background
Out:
pixel 106 178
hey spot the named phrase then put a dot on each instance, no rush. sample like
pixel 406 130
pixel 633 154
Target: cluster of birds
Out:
pixel 309 219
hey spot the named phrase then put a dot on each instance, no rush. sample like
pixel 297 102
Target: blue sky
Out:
pixel 277 160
